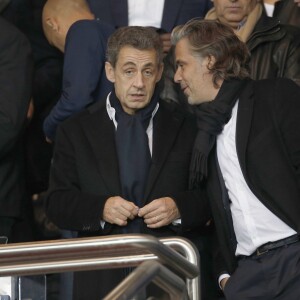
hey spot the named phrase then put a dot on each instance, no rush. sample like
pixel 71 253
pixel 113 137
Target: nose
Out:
pixel 177 76
pixel 139 80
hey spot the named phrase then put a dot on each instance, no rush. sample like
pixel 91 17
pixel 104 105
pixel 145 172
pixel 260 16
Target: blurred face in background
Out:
pixel 233 12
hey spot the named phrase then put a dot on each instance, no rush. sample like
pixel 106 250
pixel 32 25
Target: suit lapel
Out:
pixel 244 117
pixel 166 126
pixel 170 13
pixel 99 130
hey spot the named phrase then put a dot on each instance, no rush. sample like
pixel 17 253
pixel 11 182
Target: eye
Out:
pixel 129 72
pixel 148 73
pixel 179 66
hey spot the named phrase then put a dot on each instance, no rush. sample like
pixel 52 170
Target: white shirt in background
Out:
pixel 145 12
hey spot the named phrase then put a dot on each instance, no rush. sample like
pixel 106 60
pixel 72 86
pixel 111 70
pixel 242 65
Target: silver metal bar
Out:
pixel 191 253
pixel 143 275
pixel 117 251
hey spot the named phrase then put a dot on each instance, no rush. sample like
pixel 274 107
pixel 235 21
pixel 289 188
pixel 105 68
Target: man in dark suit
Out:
pixel 15 92
pixel 122 165
pixel 247 155
pixel 164 15
pixel 70 26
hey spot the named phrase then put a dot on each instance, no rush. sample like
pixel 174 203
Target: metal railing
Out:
pixel 145 273
pixel 117 251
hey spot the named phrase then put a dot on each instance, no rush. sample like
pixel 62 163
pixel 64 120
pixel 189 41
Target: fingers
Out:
pixel 166 41
pixel 159 212
pixel 118 210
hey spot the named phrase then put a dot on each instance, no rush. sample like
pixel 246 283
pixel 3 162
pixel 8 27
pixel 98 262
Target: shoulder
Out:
pixel 89 27
pixel 85 116
pixel 10 35
pixel 280 85
pixel 273 27
pixel 280 94
pixel 88 34
pixel 177 113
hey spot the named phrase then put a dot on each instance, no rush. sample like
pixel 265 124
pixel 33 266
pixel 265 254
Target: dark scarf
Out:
pixel 211 118
pixel 133 149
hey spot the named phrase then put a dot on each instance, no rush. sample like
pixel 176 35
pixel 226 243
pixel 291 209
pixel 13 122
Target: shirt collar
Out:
pixel 112 112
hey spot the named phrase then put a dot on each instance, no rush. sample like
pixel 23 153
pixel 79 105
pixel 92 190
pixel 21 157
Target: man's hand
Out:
pixel 30 110
pixel 118 210
pixel 223 282
pixel 159 212
pixel 166 41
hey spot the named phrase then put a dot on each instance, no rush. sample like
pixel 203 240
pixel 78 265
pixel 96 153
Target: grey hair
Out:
pixel 213 39
pixel 141 38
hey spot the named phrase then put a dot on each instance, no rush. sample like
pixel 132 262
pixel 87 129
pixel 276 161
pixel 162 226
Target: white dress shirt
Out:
pixel 112 115
pixel 253 223
pixel 145 12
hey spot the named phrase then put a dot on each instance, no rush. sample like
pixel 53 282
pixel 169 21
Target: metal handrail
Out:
pixel 117 251
pixel 191 253
pixel 145 273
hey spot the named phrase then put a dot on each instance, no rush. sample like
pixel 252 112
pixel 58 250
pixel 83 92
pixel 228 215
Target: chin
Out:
pixel 192 101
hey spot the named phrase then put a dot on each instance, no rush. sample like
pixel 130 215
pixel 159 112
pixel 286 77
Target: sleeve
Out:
pixel 193 207
pixel 66 204
pixel 84 61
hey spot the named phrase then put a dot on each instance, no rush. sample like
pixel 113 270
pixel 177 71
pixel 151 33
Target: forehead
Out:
pixel 182 49
pixel 132 56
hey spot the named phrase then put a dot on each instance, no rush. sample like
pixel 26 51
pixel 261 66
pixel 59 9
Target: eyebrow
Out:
pixel 129 63
pixel 179 61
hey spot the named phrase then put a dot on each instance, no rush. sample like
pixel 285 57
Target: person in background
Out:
pixel 274 48
pixel 163 15
pixel 70 26
pixel 247 157
pixel 16 82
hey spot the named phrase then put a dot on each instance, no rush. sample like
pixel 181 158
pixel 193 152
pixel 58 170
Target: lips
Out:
pixel 138 97
pixel 183 88
pixel 233 7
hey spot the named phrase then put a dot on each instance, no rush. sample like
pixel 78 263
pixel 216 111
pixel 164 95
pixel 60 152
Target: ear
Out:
pixel 110 72
pixel 160 71
pixel 211 60
pixel 52 23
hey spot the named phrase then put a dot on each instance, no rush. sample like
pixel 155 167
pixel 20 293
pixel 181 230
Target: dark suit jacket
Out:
pixel 268 148
pixel 177 12
pixel 85 173
pixel 15 92
pixel 84 79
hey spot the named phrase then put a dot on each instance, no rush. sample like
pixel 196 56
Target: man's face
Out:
pixel 193 75
pixel 233 12
pixel 134 76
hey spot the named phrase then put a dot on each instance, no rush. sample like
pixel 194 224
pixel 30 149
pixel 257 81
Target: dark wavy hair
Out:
pixel 216 40
pixel 141 38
